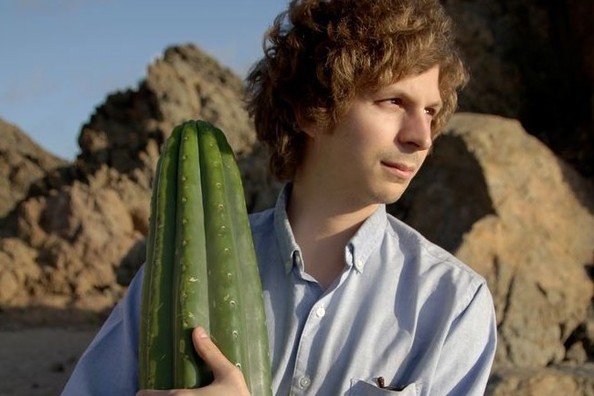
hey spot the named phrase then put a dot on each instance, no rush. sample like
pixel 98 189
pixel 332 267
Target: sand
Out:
pixel 38 361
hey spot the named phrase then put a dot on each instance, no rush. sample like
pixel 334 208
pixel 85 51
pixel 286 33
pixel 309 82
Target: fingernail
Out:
pixel 201 332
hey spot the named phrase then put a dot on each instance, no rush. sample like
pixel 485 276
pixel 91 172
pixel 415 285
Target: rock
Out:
pixel 20 272
pixel 564 380
pixel 76 237
pixel 127 131
pixel 503 203
pixel 22 162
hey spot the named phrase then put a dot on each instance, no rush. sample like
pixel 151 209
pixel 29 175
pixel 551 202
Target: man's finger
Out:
pixel 211 354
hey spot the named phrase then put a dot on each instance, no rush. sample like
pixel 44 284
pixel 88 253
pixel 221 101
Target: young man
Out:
pixel 349 97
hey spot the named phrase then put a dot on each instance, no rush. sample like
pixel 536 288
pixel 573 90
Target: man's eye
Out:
pixel 430 111
pixel 391 102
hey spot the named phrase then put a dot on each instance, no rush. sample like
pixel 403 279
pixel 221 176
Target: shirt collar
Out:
pixel 287 245
pixel 368 237
pixel 357 251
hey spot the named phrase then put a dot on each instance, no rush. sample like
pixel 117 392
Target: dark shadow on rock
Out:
pixel 131 263
pixel 582 188
pixel 53 180
pixel 8 224
pixel 448 195
pixel 260 187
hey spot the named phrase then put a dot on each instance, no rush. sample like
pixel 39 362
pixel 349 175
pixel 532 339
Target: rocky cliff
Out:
pixel 515 209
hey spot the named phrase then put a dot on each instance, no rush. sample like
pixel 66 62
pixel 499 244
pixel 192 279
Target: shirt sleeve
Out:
pixel 109 366
pixel 467 355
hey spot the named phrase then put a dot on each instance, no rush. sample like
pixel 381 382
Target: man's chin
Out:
pixel 389 197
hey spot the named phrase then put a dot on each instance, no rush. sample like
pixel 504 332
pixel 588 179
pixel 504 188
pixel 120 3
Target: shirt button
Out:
pixel 320 312
pixel 304 382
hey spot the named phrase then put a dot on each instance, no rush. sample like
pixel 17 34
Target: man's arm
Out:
pixel 110 363
pixel 469 349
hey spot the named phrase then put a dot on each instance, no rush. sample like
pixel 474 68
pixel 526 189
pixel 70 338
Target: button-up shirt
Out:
pixel 402 309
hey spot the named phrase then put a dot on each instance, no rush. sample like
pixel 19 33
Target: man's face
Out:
pixel 380 143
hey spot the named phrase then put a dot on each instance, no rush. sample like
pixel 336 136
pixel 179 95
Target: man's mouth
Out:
pixel 399 169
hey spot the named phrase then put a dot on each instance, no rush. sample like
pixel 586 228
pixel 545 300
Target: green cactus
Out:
pixel 201 267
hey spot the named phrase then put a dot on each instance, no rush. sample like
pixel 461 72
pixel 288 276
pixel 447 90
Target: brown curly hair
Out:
pixel 320 54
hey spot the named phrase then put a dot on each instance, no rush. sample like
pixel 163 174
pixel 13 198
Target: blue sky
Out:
pixel 59 59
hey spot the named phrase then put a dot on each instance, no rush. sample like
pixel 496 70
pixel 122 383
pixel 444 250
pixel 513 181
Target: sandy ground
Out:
pixel 38 361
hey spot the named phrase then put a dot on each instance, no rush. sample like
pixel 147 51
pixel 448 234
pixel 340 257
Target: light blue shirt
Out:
pixel 403 309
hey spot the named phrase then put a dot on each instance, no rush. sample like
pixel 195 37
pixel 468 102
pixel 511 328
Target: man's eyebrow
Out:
pixel 399 92
pixel 436 105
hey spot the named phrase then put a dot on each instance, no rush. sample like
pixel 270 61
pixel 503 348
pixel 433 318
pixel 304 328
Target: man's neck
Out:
pixel 323 223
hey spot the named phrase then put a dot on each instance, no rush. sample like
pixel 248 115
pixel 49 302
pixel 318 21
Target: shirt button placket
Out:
pixel 303 382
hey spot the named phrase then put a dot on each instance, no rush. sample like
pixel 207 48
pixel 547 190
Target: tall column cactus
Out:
pixel 201 267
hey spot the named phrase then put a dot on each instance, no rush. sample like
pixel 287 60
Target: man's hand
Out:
pixel 228 379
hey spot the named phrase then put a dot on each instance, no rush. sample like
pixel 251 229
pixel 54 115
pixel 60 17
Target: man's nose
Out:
pixel 416 131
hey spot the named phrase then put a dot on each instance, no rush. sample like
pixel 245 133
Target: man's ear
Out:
pixel 309 127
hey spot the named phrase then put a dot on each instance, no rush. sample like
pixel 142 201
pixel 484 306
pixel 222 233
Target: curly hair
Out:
pixel 320 54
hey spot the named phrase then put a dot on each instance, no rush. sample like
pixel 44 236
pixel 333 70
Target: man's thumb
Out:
pixel 211 354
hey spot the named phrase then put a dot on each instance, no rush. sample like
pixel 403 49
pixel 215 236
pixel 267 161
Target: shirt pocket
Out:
pixel 364 388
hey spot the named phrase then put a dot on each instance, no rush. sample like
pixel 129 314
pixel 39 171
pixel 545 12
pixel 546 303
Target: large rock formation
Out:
pixel 126 132
pixel 78 236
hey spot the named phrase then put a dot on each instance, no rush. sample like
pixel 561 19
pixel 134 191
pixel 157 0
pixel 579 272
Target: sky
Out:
pixel 59 59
